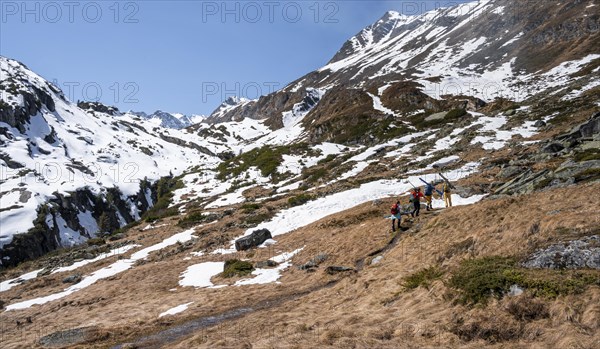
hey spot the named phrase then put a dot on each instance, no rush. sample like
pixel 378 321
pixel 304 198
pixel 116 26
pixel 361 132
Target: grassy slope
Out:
pixel 365 309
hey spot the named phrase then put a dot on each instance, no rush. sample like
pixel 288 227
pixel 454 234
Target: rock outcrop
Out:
pixel 577 254
pixel 253 240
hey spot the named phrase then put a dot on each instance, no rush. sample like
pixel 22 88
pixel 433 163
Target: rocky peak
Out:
pixel 99 107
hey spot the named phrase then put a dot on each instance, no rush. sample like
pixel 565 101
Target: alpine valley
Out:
pixel 265 224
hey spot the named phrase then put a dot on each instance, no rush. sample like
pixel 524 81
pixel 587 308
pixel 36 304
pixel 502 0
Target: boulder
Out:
pixel 73 279
pixel 266 264
pixel 475 104
pixel 253 240
pixel 570 168
pixel 539 123
pixel 69 337
pixel 588 129
pixel 313 263
pixel 576 254
pixel 332 270
pixel 118 236
pixel 592 127
pixel 377 260
pixel 524 183
pixel 553 148
pixel 436 116
pixel 511 171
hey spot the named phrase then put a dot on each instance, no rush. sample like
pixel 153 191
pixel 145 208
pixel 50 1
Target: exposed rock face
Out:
pixel 578 254
pixel 69 337
pixel 187 144
pixel 553 148
pixel 99 107
pixel 33 100
pixel 527 36
pixel 314 262
pixel 253 240
pixel 524 181
pixel 589 129
pixel 342 116
pixel 107 210
pixel 266 107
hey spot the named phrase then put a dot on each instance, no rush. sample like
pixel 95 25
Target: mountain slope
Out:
pixel 514 263
pixel 485 49
pixel 51 149
pixel 168 120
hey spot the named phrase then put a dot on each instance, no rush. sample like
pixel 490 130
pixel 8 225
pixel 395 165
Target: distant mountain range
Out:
pixel 170 120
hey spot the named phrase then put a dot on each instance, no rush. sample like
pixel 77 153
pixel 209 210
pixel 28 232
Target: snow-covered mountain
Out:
pixel 483 49
pixel 499 98
pixel 228 105
pixel 60 163
pixel 400 82
pixel 164 119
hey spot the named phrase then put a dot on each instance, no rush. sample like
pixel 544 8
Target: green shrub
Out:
pixel 364 128
pixel 314 175
pixel 251 207
pixel 164 188
pixel 192 219
pixel 478 279
pixel 257 219
pixel 236 267
pixel 591 174
pixel 328 159
pixel 554 283
pixel 300 199
pixel 587 155
pixel 96 242
pixel 481 278
pixel 423 278
pixel 267 159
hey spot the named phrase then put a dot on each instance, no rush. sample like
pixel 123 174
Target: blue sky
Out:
pixel 182 56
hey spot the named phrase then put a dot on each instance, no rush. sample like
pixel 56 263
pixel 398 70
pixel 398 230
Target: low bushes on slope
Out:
pixel 165 188
pixel 423 278
pixel 453 115
pixel 236 267
pixel 267 159
pixel 479 279
pixel 300 199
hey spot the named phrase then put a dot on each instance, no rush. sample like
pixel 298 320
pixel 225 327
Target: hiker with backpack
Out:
pixel 429 188
pixel 447 194
pixel 396 215
pixel 415 196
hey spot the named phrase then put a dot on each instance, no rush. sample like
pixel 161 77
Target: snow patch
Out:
pixel 176 310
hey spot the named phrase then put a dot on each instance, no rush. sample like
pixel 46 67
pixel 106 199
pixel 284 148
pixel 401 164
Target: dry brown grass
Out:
pixel 362 310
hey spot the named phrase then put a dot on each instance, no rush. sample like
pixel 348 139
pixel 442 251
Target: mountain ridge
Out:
pixel 314 169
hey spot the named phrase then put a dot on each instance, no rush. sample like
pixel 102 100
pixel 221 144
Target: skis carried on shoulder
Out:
pixel 438 191
pixel 447 181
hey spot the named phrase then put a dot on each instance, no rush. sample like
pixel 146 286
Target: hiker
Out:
pixel 396 214
pixel 415 196
pixel 447 194
pixel 429 188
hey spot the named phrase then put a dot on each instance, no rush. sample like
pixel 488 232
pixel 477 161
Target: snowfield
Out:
pixel 104 273
pixel 69 149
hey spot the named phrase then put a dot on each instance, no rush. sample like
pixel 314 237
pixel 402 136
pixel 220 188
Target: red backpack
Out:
pixel 395 209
